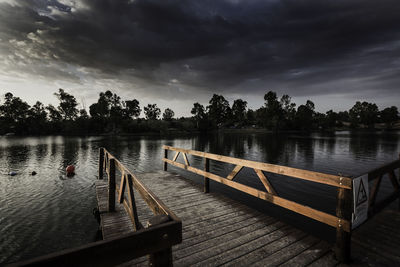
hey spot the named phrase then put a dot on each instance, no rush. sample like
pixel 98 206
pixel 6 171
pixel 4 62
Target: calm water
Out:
pixel 48 212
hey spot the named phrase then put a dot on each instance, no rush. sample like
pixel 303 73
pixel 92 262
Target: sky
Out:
pixel 177 52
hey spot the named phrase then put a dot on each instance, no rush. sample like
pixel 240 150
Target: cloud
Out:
pixel 303 48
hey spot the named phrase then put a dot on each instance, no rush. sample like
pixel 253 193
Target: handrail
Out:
pixel 377 175
pixel 270 195
pixel 318 177
pixel 128 182
pixel 342 220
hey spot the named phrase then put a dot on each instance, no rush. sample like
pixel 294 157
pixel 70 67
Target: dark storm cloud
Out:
pixel 303 46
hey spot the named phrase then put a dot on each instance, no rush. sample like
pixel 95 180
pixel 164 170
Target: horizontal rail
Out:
pixel 290 205
pixel 114 251
pixel 374 174
pixel 322 178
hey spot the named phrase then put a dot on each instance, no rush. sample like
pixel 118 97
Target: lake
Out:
pixel 49 211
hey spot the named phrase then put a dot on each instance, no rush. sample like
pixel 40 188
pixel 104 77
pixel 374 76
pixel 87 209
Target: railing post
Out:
pixel 398 180
pixel 165 156
pixel 101 162
pixel 163 257
pixel 111 186
pixel 206 180
pixel 343 238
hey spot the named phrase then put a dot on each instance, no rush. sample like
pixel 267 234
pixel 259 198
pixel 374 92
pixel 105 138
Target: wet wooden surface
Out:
pixel 220 231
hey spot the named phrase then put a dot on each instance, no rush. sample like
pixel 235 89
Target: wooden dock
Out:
pixel 163 219
pixel 219 231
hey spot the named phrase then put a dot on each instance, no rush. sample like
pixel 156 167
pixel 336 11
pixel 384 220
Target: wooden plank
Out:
pixel 111 186
pixel 308 256
pixel 211 235
pixel 101 163
pixel 265 182
pixel 374 191
pixel 290 205
pixel 165 156
pixel 176 156
pixel 327 260
pixel 193 255
pixel 248 247
pixel 234 172
pixel 288 252
pixel 122 249
pixel 185 159
pixel 122 189
pixel 131 208
pixel 334 180
pixel 384 203
pixel 263 250
pixel 383 169
pixel 206 180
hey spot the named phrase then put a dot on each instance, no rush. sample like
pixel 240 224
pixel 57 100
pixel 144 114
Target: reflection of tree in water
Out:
pixel 305 149
pixel 387 143
pixel 250 139
pixel 271 148
pixel 17 156
pixel 220 144
pixel 41 152
pixel 363 145
pixel 327 142
pixel 201 143
pixel 70 152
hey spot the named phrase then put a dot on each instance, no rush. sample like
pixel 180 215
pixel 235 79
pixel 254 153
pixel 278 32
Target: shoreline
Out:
pixel 216 131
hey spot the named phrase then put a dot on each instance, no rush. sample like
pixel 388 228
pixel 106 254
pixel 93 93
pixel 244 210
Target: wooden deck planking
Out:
pixel 220 231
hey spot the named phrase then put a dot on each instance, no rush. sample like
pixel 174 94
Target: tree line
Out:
pixel 111 114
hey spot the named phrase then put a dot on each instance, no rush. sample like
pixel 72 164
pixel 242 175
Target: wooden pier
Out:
pixel 162 219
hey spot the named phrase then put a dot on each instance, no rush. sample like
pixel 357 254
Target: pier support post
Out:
pixel 162 257
pixel 165 156
pixel 101 162
pixel 206 180
pixel 343 238
pixel 111 186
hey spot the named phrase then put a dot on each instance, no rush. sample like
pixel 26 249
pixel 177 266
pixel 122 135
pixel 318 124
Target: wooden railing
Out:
pixel 342 220
pixel 156 239
pixel 345 186
pixel 376 176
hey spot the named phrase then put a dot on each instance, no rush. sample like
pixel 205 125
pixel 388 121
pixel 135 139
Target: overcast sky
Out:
pixel 177 52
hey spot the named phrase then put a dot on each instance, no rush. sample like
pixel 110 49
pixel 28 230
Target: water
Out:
pixel 48 212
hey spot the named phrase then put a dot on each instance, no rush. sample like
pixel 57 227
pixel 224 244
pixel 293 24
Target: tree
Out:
pixel 152 112
pixel 54 114
pixel 198 112
pixel 14 109
pixel 364 113
pixel 331 118
pixel 304 116
pixel 239 110
pixel 288 110
pixel 273 110
pixel 67 106
pixel 389 115
pixel 38 112
pixel 132 108
pixel 218 110
pixel 168 114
